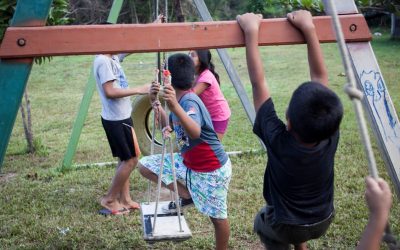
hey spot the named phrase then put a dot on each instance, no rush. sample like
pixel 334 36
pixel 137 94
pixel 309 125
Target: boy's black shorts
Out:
pixel 120 138
pixel 280 236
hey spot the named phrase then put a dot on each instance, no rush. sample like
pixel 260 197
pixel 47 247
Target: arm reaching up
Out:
pixel 250 24
pixel 302 20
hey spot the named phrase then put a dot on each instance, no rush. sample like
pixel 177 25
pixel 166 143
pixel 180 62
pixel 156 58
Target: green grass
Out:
pixel 42 208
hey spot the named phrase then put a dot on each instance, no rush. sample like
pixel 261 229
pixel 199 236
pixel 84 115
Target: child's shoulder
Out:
pixel 101 59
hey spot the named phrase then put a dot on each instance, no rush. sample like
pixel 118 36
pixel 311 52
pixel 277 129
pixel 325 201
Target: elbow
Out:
pixel 109 94
pixel 195 134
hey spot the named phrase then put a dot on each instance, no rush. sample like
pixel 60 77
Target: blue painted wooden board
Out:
pixel 379 106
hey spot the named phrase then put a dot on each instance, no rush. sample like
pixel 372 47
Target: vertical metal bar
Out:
pixel 12 87
pixel 86 99
pixel 159 186
pixel 175 184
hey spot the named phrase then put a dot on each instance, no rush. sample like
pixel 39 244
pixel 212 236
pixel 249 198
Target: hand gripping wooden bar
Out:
pixel 20 42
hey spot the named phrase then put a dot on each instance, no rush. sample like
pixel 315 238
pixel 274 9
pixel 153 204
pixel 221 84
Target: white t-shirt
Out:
pixel 109 69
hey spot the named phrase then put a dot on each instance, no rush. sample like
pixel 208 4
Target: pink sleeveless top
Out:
pixel 213 98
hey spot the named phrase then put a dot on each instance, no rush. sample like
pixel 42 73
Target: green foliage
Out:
pixel 314 6
pixel 7 9
pixel 58 13
pixel 392 6
pixel 273 8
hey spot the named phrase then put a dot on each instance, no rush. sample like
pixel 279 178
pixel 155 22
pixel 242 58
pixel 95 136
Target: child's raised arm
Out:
pixel 250 24
pixel 302 20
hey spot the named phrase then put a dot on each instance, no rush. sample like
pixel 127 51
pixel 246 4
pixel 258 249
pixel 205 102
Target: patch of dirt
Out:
pixel 7 177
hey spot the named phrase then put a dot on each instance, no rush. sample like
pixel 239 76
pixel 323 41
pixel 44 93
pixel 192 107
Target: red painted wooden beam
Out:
pixel 22 42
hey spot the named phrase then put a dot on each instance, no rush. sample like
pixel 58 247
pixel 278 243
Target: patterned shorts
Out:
pixel 209 190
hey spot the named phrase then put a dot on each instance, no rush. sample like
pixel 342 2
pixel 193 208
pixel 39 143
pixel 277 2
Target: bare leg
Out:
pixel 222 231
pixel 146 173
pixel 125 197
pixel 111 199
pixel 301 246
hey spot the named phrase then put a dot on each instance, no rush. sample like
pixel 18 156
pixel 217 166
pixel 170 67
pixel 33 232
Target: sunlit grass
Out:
pixel 42 208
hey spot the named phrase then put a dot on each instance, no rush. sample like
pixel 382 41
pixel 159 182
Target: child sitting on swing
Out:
pixel 202 167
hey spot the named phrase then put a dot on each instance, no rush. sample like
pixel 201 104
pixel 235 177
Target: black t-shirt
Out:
pixel 298 181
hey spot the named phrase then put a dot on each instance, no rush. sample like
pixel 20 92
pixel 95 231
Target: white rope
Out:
pixel 356 96
pixel 352 91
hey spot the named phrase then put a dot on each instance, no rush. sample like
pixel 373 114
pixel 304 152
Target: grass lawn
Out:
pixel 42 208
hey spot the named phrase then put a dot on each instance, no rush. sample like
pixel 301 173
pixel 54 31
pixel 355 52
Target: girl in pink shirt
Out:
pixel 207 88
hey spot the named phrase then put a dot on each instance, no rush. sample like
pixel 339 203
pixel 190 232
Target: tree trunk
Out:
pixel 27 122
pixel 179 12
pixel 133 10
pixel 395 33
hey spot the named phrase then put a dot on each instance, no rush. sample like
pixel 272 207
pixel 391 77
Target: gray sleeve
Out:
pixel 104 70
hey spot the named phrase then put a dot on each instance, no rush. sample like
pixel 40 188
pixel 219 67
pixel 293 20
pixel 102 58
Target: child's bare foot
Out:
pixel 130 204
pixel 112 205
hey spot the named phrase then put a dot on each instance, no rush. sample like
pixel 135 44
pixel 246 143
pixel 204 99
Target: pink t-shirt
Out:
pixel 213 98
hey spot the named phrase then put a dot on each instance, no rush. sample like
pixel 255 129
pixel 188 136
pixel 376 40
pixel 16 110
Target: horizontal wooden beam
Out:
pixel 20 42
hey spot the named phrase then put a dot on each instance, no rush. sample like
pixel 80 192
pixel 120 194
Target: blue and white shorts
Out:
pixel 209 190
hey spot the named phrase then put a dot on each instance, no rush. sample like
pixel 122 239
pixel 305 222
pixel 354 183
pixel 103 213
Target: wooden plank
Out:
pixel 379 106
pixel 136 38
pixel 15 73
pixel 167 227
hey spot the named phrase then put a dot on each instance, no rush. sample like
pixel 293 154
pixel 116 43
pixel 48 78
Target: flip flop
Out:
pixel 107 212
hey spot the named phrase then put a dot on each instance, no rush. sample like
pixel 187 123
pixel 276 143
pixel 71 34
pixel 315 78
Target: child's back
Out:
pixel 298 181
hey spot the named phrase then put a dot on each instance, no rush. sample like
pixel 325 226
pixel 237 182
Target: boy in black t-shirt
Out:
pixel 298 181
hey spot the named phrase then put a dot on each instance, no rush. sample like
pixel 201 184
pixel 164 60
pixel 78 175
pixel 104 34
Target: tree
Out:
pixel 373 8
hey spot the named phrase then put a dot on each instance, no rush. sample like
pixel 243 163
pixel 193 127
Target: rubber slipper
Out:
pixel 107 212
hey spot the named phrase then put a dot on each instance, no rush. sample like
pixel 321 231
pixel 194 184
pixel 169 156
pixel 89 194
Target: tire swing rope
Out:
pixel 356 95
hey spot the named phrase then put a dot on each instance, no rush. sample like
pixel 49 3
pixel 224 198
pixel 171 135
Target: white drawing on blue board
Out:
pixel 376 92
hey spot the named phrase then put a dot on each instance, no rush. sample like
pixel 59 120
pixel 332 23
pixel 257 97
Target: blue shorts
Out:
pixel 209 190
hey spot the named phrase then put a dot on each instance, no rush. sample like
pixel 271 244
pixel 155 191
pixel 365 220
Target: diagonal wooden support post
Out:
pixel 15 73
pixel 377 103
pixel 87 97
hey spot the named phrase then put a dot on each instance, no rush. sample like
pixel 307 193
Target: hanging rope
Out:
pixel 166 79
pixel 356 95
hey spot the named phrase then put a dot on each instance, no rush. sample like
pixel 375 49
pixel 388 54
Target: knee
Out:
pixel 143 170
pixel 219 222
pixel 131 163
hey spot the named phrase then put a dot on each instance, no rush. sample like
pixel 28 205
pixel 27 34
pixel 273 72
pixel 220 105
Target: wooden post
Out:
pixel 15 73
pixel 377 102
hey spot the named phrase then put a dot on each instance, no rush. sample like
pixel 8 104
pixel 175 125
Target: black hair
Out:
pixel 182 71
pixel 204 56
pixel 314 112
